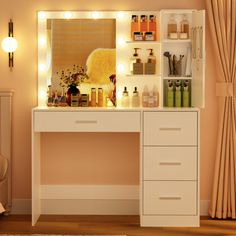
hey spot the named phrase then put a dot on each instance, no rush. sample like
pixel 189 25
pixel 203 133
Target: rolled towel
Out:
pixel 3 167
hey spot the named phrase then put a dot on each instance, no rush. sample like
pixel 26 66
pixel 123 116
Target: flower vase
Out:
pixel 72 90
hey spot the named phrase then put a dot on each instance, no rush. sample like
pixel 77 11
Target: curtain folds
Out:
pixel 222 19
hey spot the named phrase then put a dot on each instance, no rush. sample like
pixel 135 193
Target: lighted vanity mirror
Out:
pixel 83 39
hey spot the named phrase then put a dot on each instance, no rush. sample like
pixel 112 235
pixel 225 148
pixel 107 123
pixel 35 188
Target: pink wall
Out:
pixel 23 80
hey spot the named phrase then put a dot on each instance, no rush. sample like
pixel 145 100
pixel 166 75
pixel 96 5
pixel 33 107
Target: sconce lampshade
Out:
pixel 9 44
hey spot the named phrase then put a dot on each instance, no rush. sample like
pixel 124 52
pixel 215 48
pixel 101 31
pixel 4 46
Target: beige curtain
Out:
pixel 222 18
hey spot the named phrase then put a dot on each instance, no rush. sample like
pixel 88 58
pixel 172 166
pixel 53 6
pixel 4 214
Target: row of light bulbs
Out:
pixel 68 15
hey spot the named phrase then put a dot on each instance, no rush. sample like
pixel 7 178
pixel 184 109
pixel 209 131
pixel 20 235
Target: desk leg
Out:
pixel 36 189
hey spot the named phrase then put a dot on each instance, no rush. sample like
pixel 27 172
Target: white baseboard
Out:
pixel 89 200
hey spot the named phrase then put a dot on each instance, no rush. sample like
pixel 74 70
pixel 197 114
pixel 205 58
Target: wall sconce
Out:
pixel 9 44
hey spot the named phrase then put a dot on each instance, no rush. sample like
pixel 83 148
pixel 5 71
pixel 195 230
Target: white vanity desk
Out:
pixel 169 156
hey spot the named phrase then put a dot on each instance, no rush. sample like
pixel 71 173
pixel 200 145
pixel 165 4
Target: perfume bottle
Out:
pixel 55 100
pixel 62 100
pixel 50 98
pixel 93 97
pixel 100 97
pixel 135 98
pixel 125 98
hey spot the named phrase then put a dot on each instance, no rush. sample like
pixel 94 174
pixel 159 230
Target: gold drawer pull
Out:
pixel 86 121
pixel 170 163
pixel 169 129
pixel 169 198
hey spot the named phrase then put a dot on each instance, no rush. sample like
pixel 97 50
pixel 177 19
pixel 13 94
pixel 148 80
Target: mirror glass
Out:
pixel 86 43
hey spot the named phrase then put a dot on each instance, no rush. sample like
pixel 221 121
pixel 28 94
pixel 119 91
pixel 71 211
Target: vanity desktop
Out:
pixel 169 134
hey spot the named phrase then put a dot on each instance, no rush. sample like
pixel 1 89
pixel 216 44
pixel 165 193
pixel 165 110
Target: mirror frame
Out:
pixel 44 62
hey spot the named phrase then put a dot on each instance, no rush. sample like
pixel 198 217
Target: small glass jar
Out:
pixel 172 28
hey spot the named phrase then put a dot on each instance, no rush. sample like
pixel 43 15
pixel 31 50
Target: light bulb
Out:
pixel 95 15
pixel 121 68
pixel 41 15
pixel 42 94
pixel 67 15
pixel 42 67
pixel 120 14
pixel 42 41
pixel 121 41
pixel 9 44
pixel 119 94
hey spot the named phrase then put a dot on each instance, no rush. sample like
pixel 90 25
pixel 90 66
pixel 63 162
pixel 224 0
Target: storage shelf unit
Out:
pixel 174 46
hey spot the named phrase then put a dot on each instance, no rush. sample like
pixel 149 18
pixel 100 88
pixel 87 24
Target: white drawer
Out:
pixel 170 128
pixel 170 163
pixel 87 121
pixel 170 198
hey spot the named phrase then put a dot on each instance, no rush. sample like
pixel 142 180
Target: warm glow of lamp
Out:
pixel 9 44
pixel 42 15
pixel 120 15
pixel 42 94
pixel 42 67
pixel 121 68
pixel 42 41
pixel 67 15
pixel 121 41
pixel 95 15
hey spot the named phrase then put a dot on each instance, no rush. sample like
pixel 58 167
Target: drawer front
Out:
pixel 170 163
pixel 86 121
pixel 170 198
pixel 170 128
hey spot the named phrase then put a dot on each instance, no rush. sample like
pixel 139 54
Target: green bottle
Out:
pixel 178 93
pixel 186 99
pixel 170 94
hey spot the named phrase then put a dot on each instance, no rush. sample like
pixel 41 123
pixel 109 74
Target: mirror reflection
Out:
pixel 85 43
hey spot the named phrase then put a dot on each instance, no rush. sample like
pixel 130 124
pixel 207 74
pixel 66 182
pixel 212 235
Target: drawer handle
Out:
pixel 170 163
pixel 86 121
pixel 169 129
pixel 169 198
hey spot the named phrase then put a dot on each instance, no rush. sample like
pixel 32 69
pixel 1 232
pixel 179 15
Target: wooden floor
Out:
pixel 114 225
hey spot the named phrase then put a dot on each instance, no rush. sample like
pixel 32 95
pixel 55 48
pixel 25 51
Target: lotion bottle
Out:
pixel 150 66
pixel 136 66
